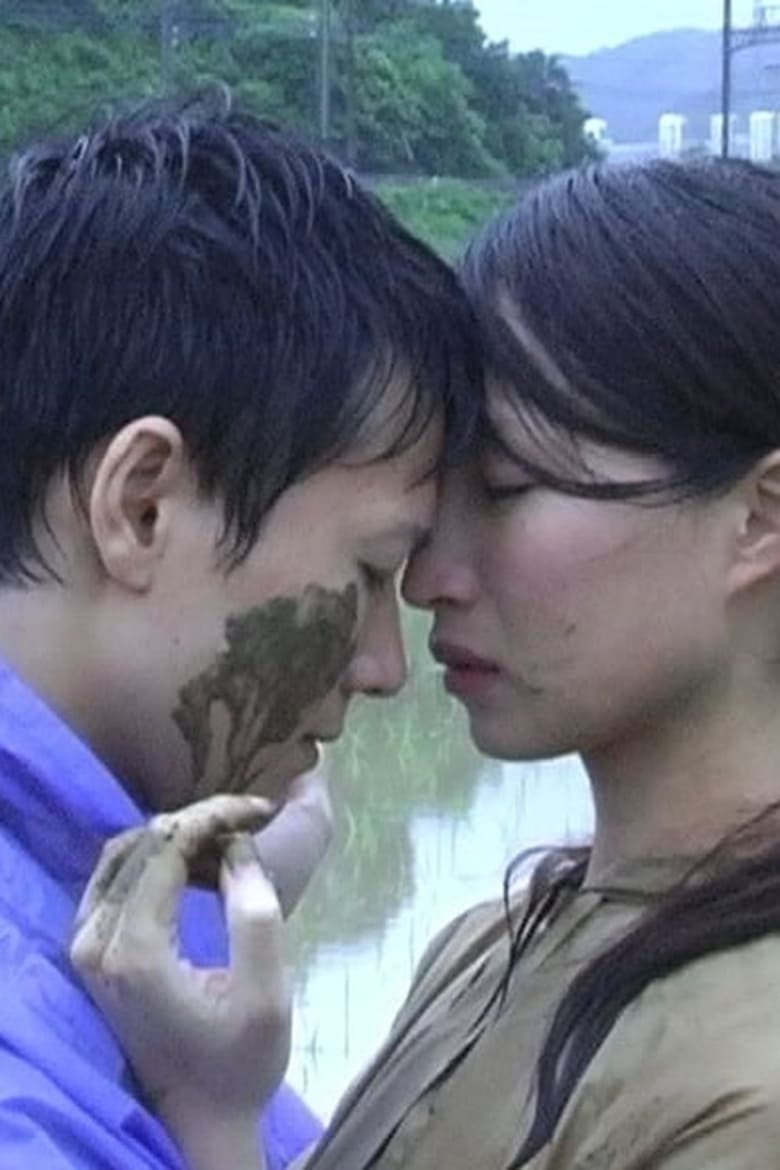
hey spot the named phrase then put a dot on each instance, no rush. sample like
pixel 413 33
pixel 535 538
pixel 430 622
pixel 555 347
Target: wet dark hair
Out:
pixel 194 261
pixel 638 307
pixel 729 897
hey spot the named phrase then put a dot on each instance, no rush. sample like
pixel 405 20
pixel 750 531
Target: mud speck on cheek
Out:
pixel 281 658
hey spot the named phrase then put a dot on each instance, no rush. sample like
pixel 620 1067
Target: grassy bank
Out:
pixel 445 212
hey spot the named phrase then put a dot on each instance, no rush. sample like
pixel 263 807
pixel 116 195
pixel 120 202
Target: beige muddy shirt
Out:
pixel 688 1078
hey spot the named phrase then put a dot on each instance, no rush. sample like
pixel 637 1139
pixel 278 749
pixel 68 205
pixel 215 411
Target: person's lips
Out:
pixel 466 674
pixel 326 735
pixel 315 741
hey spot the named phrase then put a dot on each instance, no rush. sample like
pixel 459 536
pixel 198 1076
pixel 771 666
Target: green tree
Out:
pixel 413 109
pixel 416 85
pixel 530 114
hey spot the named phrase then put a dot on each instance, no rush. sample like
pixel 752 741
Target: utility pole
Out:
pixel 725 132
pixel 168 33
pixel 765 30
pixel 325 70
pixel 351 96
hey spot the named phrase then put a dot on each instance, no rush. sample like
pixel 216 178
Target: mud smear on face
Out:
pixel 281 658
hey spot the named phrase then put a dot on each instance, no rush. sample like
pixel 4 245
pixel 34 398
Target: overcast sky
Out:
pixel 579 26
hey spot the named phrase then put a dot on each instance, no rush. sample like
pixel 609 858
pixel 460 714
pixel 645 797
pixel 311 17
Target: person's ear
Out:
pixel 756 549
pixel 133 491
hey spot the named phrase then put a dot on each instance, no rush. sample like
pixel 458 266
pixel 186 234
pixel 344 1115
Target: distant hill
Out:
pixel 678 71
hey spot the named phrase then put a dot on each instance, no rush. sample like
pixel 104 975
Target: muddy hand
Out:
pixel 203 1043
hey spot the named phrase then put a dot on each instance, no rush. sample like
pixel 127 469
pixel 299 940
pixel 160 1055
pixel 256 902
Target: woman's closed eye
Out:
pixel 498 492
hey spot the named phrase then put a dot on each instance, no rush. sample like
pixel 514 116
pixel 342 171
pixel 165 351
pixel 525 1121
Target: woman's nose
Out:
pixel 437 576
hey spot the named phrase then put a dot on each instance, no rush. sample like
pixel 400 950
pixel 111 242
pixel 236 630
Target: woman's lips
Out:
pixel 466 674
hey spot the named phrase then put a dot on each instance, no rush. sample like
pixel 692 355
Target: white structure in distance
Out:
pixel 756 138
pixel 671 135
pixel 716 131
pixel 763 135
pixel 596 130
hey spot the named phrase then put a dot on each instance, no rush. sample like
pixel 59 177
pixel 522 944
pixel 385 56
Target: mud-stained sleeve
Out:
pixel 689 1078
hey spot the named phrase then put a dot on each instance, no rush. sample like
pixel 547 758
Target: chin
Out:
pixel 513 743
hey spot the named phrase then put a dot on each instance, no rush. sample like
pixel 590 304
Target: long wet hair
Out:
pixel 638 307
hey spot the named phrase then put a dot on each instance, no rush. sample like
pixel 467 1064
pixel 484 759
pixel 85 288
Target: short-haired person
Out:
pixel 227 378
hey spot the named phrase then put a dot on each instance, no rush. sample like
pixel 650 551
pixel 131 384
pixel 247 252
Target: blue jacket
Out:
pixel 66 1092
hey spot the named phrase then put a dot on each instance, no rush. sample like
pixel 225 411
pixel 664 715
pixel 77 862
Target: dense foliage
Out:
pixel 414 86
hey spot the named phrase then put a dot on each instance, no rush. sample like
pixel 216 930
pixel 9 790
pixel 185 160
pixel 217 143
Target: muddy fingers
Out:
pixel 202 1041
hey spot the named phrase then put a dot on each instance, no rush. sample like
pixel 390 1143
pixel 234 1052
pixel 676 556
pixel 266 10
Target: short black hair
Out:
pixel 649 299
pixel 193 260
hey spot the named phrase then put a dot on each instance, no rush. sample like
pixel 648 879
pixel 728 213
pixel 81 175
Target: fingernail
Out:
pixel 166 824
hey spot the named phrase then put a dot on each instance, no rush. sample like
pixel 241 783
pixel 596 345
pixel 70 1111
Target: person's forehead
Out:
pixel 396 462
pixel 388 499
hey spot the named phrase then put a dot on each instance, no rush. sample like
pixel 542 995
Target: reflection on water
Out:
pixel 425 828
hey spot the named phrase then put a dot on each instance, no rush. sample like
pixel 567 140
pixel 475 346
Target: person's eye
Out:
pixel 498 493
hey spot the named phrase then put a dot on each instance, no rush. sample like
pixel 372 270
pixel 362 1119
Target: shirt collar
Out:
pixel 643 878
pixel 56 797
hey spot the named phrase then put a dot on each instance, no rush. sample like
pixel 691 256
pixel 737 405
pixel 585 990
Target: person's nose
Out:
pixel 436 577
pixel 379 667
pixel 442 571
